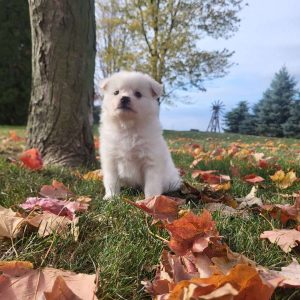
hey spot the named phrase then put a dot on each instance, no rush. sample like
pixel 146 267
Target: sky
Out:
pixel 268 38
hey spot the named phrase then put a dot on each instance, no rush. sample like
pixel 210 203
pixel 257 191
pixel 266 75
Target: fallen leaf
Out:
pixel 226 210
pixel 249 200
pixel 160 207
pixel 23 282
pixel 10 223
pixel 48 223
pixel 192 232
pixel 243 282
pixel 253 178
pixel 14 137
pixel 290 275
pixel 199 173
pixel 57 190
pixel 283 180
pixel 55 206
pixel 286 239
pixel 60 290
pixel 96 175
pixel 32 159
pixel 285 212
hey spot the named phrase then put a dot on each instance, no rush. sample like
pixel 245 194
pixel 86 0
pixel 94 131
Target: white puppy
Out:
pixel 133 151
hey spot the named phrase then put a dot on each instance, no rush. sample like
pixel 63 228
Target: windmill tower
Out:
pixel 214 123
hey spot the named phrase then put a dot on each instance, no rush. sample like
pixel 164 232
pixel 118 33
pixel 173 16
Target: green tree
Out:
pixel 239 119
pixel 291 128
pixel 15 61
pixel 274 108
pixel 163 38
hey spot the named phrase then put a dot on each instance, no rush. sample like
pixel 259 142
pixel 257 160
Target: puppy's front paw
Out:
pixel 108 196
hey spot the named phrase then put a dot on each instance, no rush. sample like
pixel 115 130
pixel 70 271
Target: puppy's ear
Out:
pixel 156 88
pixel 104 84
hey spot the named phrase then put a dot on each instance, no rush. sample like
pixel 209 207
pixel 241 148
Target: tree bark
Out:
pixel 63 64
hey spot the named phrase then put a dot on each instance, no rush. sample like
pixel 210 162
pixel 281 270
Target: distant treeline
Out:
pixel 15 62
pixel 277 114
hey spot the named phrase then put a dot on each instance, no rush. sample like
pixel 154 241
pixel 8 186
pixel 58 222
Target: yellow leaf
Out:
pixel 283 180
pixel 93 175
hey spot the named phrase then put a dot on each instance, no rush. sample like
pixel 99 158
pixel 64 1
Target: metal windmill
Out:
pixel 214 123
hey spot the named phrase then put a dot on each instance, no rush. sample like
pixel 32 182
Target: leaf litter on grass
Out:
pixel 208 260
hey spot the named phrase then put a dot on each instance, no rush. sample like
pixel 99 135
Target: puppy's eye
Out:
pixel 138 94
pixel 116 92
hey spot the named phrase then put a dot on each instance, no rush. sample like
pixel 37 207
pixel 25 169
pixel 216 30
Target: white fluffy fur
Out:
pixel 133 151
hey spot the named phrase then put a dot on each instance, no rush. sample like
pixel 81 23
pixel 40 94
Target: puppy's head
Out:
pixel 130 95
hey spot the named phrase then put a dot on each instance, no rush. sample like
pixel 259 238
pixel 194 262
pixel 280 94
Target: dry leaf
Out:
pixel 48 223
pixel 290 275
pixel 60 291
pixel 57 190
pixel 250 200
pixel 253 178
pixel 20 282
pixel 286 239
pixel 160 207
pixel 192 232
pixel 32 159
pixel 14 137
pixel 244 280
pixel 96 175
pixel 283 180
pixel 10 223
pixel 285 212
pixel 226 210
pixel 55 206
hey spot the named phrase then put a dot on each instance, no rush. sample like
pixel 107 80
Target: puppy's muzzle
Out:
pixel 124 103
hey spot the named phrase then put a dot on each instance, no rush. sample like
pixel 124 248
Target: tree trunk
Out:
pixel 63 64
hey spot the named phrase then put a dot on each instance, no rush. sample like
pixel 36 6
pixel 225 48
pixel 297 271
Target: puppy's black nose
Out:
pixel 125 100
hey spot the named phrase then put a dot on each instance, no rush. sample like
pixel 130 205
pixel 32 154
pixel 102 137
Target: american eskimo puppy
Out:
pixel 133 151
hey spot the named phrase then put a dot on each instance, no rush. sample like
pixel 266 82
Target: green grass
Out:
pixel 115 237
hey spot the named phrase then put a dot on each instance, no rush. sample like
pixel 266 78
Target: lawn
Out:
pixel 117 238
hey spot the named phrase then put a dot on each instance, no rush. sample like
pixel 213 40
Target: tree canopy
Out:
pixel 163 38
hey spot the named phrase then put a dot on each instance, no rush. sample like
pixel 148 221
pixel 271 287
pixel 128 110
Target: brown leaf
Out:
pixel 10 223
pixel 199 173
pixel 60 291
pixel 285 212
pixel 226 210
pixel 57 190
pixel 249 200
pixel 20 281
pixel 48 223
pixel 160 207
pixel 286 239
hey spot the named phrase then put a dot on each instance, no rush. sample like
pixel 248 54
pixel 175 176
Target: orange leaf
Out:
pixel 14 137
pixel 191 232
pixel 160 207
pixel 32 159
pixel 243 282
